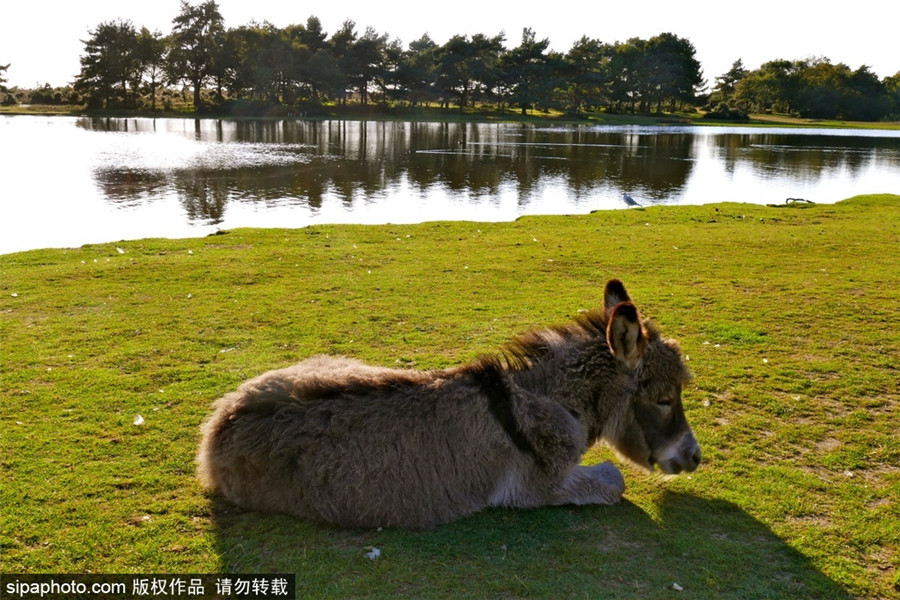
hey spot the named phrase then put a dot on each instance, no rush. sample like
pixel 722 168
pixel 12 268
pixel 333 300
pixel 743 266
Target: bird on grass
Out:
pixel 629 200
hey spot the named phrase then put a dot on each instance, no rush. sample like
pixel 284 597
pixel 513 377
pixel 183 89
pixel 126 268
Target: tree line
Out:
pixel 812 87
pixel 300 67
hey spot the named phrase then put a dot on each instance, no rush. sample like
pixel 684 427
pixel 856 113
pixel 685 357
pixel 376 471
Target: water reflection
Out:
pixel 309 163
pixel 306 163
pixel 177 176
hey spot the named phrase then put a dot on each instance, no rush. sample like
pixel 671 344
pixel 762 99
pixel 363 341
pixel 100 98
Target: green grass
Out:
pixel 789 318
pixel 786 120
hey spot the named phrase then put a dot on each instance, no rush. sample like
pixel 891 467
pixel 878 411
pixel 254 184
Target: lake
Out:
pixel 68 181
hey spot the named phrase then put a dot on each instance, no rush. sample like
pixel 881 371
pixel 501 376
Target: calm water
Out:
pixel 70 181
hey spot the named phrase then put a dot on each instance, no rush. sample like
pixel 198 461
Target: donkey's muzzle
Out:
pixel 683 456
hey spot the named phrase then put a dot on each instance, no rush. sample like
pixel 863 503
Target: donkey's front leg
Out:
pixel 597 484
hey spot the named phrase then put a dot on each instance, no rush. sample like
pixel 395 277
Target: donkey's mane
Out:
pixel 529 349
pixel 526 350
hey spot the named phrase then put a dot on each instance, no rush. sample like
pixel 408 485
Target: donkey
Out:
pixel 335 440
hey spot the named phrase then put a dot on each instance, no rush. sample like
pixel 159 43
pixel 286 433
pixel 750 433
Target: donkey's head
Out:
pixel 648 427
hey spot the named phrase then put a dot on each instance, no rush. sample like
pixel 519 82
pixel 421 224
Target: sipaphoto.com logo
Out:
pixel 54 587
pixel 152 587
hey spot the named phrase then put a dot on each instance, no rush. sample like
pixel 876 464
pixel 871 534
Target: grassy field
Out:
pixel 789 317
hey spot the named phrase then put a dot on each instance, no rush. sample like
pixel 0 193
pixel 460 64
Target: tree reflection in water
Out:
pixel 355 164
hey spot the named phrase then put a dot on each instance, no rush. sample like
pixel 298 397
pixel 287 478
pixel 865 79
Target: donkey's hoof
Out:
pixel 611 477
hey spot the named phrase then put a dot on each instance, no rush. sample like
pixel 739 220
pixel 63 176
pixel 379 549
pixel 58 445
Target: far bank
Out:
pixel 434 114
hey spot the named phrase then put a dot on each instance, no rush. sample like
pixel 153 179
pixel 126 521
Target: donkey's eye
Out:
pixel 664 402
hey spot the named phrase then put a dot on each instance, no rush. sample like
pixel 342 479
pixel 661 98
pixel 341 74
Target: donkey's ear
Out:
pixel 614 294
pixel 625 334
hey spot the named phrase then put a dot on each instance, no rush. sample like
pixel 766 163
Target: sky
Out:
pixel 42 40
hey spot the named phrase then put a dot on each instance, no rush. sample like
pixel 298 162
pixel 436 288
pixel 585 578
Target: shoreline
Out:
pixel 261 230
pixel 454 116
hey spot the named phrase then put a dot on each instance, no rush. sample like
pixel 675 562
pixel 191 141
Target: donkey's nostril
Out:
pixel 696 457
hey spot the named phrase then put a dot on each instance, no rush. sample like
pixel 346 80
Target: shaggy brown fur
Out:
pixel 336 440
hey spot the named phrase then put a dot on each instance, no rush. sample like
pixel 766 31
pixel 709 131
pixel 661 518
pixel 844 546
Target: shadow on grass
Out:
pixel 707 548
